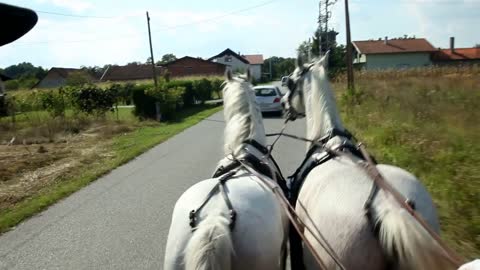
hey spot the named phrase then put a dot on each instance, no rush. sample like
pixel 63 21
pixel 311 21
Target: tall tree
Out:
pixel 169 57
pixel 304 49
pixel 280 66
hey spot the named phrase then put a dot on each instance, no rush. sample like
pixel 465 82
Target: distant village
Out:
pixel 396 53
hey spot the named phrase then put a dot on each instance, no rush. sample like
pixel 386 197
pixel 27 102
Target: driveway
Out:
pixel 121 221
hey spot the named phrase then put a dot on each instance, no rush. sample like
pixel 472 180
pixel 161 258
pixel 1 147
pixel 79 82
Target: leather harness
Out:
pixel 224 173
pixel 312 160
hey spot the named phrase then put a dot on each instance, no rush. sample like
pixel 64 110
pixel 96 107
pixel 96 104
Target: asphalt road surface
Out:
pixel 121 221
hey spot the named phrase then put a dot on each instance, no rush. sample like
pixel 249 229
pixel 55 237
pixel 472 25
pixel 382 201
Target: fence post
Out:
pixel 157 109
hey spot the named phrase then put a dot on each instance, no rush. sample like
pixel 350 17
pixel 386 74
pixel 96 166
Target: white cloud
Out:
pixel 73 5
pixel 438 20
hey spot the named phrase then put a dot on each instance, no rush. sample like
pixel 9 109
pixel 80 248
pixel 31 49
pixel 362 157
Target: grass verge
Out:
pixel 122 149
pixel 428 126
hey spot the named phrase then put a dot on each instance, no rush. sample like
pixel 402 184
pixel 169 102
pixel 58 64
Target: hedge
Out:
pixel 172 95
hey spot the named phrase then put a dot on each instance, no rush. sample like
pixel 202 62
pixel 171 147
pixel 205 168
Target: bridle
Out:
pixel 292 86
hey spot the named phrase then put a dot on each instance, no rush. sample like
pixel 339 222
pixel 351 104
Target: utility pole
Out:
pixel 323 33
pixel 350 83
pixel 151 53
pixel 270 63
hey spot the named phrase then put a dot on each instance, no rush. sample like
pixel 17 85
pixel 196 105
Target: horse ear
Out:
pixel 325 59
pixel 228 74
pixel 249 75
pixel 299 61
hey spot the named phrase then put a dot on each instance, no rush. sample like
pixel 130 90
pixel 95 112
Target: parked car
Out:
pixel 268 98
pixel 284 80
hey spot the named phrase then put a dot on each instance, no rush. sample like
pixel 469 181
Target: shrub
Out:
pixel 170 100
pixel 144 105
pixel 217 86
pixel 91 99
pixel 53 102
pixel 202 89
pixel 188 96
pixel 12 85
pixel 28 102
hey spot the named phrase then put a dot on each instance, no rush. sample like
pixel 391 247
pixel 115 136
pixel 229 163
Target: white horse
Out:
pixel 334 193
pixel 257 240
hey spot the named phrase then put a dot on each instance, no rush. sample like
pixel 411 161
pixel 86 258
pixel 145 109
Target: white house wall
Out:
pixel 235 64
pixel 256 71
pixel 397 60
pixel 238 66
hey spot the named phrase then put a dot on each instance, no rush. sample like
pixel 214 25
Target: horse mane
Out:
pixel 243 118
pixel 320 104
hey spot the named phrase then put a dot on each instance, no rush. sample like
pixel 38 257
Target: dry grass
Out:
pixel 37 149
pixel 36 175
pixel 426 121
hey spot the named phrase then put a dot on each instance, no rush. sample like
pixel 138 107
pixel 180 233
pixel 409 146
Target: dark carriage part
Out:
pixel 15 22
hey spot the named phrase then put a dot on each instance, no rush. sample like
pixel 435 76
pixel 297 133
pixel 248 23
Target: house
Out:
pixel 132 72
pixel 57 77
pixel 392 53
pixel 456 56
pixel 190 66
pixel 239 63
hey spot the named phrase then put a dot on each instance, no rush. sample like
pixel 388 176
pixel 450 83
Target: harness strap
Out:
pixel 219 186
pixel 257 145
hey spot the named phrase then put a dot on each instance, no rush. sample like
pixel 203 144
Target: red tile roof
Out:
pixel 130 72
pixel 457 54
pixel 394 46
pixel 254 59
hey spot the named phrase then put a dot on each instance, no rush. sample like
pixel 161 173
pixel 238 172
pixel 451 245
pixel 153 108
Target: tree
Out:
pixel 95 71
pixel 304 50
pixel 169 57
pixel 280 66
pixel 25 70
pixel 24 75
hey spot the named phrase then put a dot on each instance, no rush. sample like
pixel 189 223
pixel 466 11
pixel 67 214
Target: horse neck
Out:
pixel 321 109
pixel 243 120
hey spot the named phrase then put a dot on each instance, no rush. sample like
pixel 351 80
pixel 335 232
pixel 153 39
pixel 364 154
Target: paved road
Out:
pixel 121 221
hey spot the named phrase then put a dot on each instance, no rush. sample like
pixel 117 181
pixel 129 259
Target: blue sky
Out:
pixel 205 28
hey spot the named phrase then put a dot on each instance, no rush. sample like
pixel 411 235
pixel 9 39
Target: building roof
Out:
pixel 189 57
pixel 457 54
pixel 407 45
pixel 130 72
pixel 64 72
pixel 230 52
pixel 254 59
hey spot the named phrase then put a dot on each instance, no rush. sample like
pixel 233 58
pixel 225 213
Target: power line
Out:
pixel 217 17
pixel 73 15
pixel 162 28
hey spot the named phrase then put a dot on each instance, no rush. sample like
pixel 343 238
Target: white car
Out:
pixel 268 98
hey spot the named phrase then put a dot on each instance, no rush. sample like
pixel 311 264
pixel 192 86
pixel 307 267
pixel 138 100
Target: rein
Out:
pixel 369 167
pixel 296 221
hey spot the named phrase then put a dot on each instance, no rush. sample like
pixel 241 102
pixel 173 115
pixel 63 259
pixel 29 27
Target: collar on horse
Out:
pixel 227 172
pixel 314 158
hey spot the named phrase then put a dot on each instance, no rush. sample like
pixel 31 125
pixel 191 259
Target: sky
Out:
pixel 115 31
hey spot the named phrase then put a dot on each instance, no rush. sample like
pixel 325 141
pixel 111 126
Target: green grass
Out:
pixel 124 148
pixel 429 127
